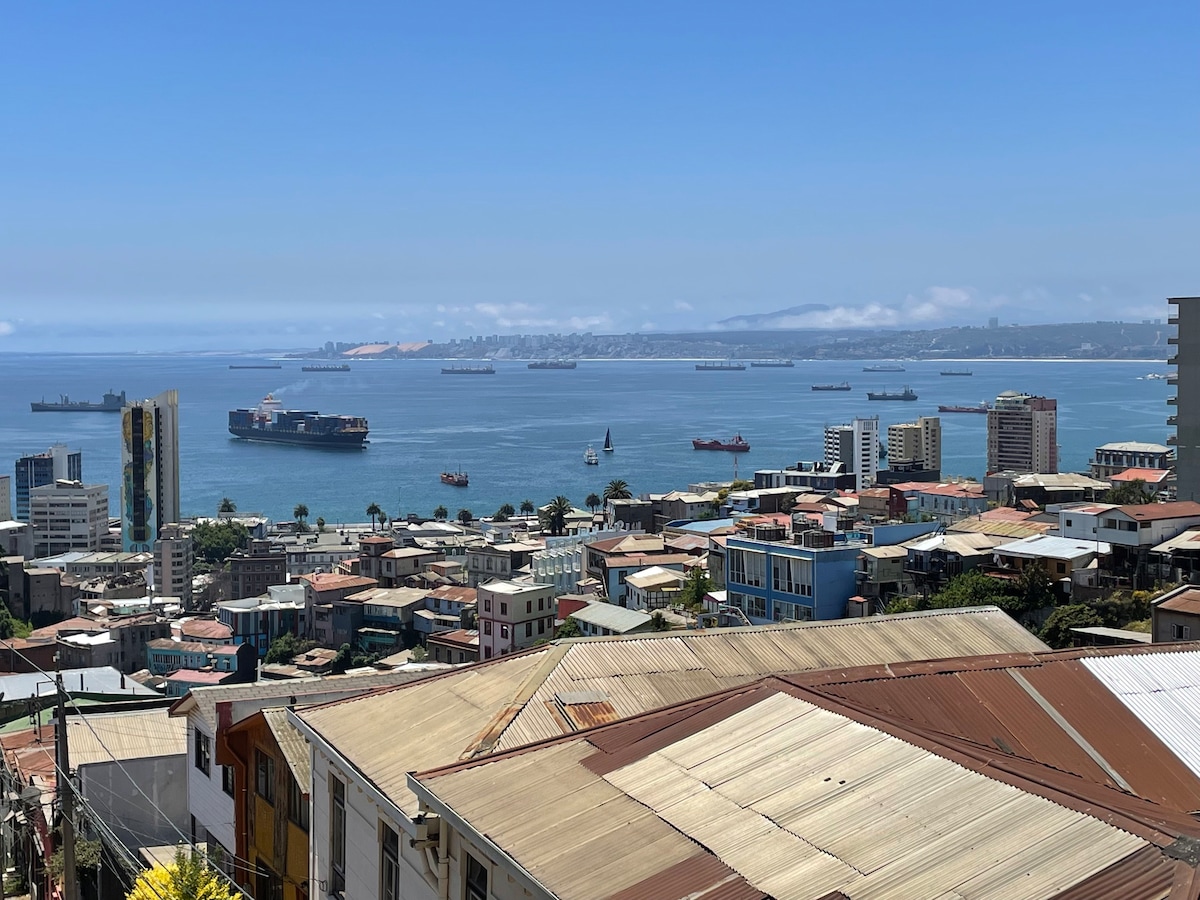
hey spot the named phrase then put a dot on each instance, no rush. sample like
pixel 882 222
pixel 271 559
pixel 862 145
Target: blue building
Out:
pixel 56 464
pixel 809 577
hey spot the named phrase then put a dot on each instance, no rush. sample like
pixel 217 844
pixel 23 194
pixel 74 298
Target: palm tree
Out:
pixel 440 513
pixel 383 519
pixel 556 515
pixel 465 516
pixel 507 511
pixel 616 490
pixel 320 525
pixel 373 511
pixel 527 507
pixel 226 506
pixel 592 502
pixel 300 513
pixel 1132 493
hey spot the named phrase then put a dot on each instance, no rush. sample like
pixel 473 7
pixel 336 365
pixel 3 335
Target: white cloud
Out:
pixel 6 328
pixel 683 306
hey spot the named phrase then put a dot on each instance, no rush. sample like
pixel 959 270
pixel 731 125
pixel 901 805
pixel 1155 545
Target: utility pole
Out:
pixel 66 792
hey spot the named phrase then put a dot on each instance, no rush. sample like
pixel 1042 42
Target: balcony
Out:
pixel 1172 401
pixel 1172 320
pixel 1173 378
pixel 1173 360
pixel 1173 339
pixel 1172 420
pixel 1173 439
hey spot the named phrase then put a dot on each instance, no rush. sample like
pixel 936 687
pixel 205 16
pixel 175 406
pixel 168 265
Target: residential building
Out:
pixel 391 609
pixel 1186 417
pixel 1175 616
pixel 1058 557
pixel 499 562
pixel 260 566
pixel 42 595
pixel 164 656
pixel 447 608
pixel 880 574
pixel 561 561
pixel 653 588
pixel 599 619
pixel 1022 434
pixel 513 616
pixel 681 506
pixel 1041 488
pixel 458 647
pixel 68 515
pixel 120 642
pixel 5 498
pixel 935 559
pixel 174 557
pixel 612 560
pixel 271 783
pixel 320 590
pixel 947 503
pixel 150 469
pixel 856 447
pixel 57 463
pixel 817 477
pixel 1133 531
pixel 1114 458
pixel 16 539
pixel 258 621
pixel 629 515
pixel 777 581
pixel 367 826
pixel 1157 481
pixel 915 446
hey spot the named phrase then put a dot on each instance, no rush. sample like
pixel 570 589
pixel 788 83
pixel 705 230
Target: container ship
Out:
pixel 469 370
pixel 844 386
pixel 736 444
pixel 906 394
pixel 111 403
pixel 344 367
pixel 270 422
pixel 772 364
pixel 720 367
pixel 888 367
pixel 552 364
pixel 957 372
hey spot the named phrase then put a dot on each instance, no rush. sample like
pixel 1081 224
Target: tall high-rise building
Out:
pixel 174 557
pixel 1022 434
pixel 149 469
pixel 1186 378
pixel 5 498
pixel 856 445
pixel 915 446
pixel 68 515
pixel 57 463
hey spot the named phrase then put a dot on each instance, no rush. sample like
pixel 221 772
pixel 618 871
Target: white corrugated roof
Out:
pixel 615 618
pixel 127 735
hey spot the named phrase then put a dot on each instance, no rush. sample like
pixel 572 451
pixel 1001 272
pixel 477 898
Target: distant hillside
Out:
pixel 783 318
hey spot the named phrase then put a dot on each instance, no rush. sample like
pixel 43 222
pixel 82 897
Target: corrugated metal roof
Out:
pixel 292 745
pixel 799 801
pixel 127 735
pixel 617 619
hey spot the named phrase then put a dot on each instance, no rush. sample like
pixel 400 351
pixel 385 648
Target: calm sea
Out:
pixel 522 433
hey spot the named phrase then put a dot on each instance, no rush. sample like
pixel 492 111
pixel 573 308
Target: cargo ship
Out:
pixel 844 386
pixel 728 366
pixel 270 422
pixel 468 370
pixel 772 364
pixel 458 479
pixel 981 408
pixel 344 367
pixel 736 444
pixel 957 372
pixel 257 366
pixel 111 403
pixel 906 394
pixel 888 367
pixel 552 364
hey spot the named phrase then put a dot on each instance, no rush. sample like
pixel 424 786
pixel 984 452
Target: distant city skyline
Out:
pixel 224 177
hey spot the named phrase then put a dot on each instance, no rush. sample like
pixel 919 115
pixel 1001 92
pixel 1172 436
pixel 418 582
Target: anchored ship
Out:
pixel 981 408
pixel 772 364
pixel 111 403
pixel 957 372
pixel 257 366
pixel 844 386
pixel 728 366
pixel 458 479
pixel 270 422
pixel 906 394
pixel 888 367
pixel 344 367
pixel 469 370
pixel 552 364
pixel 736 444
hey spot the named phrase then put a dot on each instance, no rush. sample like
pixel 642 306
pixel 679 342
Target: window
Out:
pixel 264 776
pixel 337 835
pixel 487 604
pixel 389 864
pixel 227 779
pixel 1181 632
pixel 541 626
pixel 487 626
pixel 528 629
pixel 268 885
pixel 297 804
pixel 503 608
pixel 541 603
pixel 476 880
pixel 528 607
pixel 504 631
pixel 203 752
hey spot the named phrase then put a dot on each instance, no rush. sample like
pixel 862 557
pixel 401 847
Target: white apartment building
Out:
pixel 1022 434
pixel 513 616
pixel 174 557
pixel 856 446
pixel 915 446
pixel 68 515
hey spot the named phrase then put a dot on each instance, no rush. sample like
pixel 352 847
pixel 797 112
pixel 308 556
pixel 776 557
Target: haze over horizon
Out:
pixel 229 176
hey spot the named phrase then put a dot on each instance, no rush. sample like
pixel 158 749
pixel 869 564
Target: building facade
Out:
pixel 260 566
pixel 44 468
pixel 174 556
pixel 513 616
pixel 856 446
pixel 1022 434
pixel 1185 418
pixel 5 498
pixel 915 446
pixel 149 469
pixel 1114 458
pixel 68 515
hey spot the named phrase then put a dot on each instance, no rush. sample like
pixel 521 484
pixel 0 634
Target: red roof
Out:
pixel 329 581
pixel 196 676
pixel 455 592
pixel 209 629
pixel 1150 476
pixel 1150 512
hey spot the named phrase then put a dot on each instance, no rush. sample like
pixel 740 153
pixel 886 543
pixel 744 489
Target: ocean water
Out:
pixel 522 433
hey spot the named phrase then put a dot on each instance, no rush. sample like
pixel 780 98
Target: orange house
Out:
pixel 271 777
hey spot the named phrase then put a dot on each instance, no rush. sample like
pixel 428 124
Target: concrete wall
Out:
pixel 136 822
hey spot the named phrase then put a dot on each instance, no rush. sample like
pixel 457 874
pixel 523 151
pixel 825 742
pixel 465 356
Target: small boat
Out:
pixel 957 372
pixel 608 447
pixel 552 364
pixel 736 444
pixel 1152 376
pixel 344 367
pixel 727 366
pixel 458 479
pixel 469 370
pixel 889 367
pixel 772 364
pixel 906 394
pixel 590 458
pixel 981 408
pixel 844 386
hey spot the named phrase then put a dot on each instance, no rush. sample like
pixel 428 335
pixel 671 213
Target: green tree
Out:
pixel 973 589
pixel 343 660
pixel 1035 588
pixel 527 507
pixel 568 629
pixel 695 587
pixel 300 513
pixel 556 515
pixel 504 513
pixel 374 512
pixel 465 516
pixel 616 489
pixel 189 877
pixel 658 622
pixel 1132 493
pixel 226 506
pixel 1057 630
pixel 441 513
pixel 320 525
pixel 417 654
pixel 383 519
pixel 287 647
pixel 214 542
pixel 592 501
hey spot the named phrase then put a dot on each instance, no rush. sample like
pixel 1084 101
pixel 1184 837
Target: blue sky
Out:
pixel 280 174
